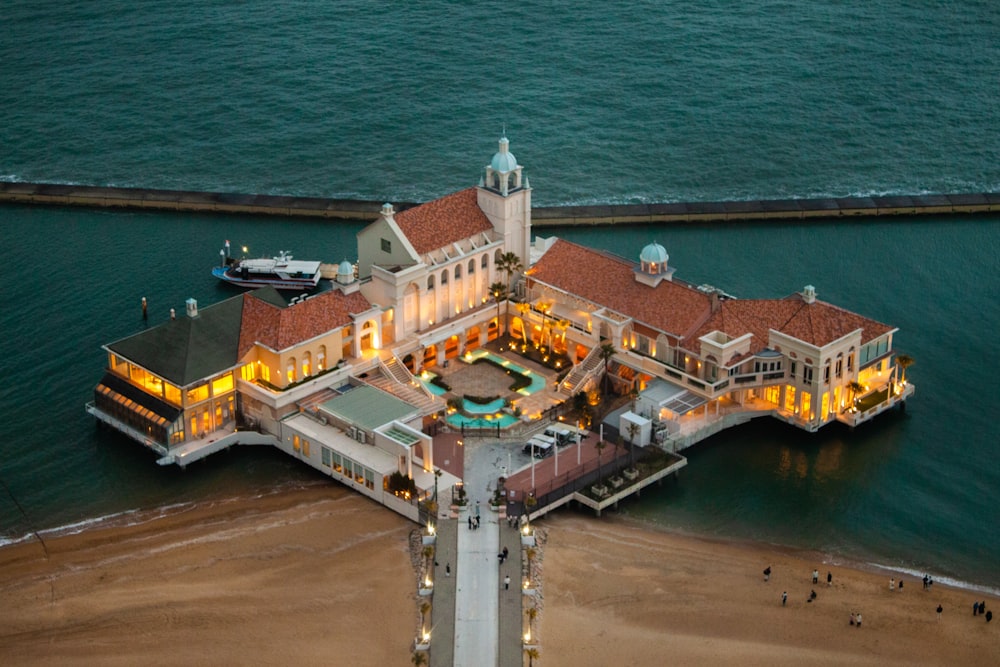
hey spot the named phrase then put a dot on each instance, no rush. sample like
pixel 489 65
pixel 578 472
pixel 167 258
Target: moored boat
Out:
pixel 281 272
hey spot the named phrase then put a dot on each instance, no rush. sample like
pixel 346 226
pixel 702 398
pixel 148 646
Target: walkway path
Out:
pixel 476 624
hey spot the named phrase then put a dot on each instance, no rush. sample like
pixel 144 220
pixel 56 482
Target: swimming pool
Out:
pixel 459 420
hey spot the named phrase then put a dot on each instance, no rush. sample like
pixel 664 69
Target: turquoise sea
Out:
pixel 602 102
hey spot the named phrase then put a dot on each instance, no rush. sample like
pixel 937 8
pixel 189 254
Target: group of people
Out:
pixel 502 556
pixel 979 609
pixel 473 522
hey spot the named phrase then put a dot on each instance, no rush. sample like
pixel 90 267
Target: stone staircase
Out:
pixel 582 372
pixel 393 377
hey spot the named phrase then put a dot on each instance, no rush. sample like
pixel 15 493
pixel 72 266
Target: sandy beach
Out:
pixel 323 576
pixel 314 576
pixel 616 593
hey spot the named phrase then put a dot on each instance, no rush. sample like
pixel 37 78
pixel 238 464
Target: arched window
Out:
pixel 485 264
pixel 444 277
pixel 321 358
pixel 472 266
pixel 458 271
pixel 430 282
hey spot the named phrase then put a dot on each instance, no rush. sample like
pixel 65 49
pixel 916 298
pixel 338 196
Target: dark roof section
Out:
pixel 148 401
pixel 187 349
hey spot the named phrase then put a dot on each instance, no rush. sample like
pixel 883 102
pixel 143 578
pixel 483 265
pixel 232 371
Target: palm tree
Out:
pixel 563 325
pixel 856 388
pixel 510 264
pixel 633 430
pixel 607 351
pixel 532 653
pixel 544 307
pixel 429 555
pixel 424 608
pixel 498 290
pixel 904 361
pixel 524 309
pixel 532 613
pixel 529 554
pixel 529 504
pixel 419 658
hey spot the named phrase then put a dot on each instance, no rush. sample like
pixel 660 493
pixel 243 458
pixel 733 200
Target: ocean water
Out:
pixel 602 102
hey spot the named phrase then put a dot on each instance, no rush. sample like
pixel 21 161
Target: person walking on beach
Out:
pixel 900 585
pixel 784 598
pixel 447 569
pixel 892 583
pixel 939 610
pixel 815 576
pixel 853 622
pixel 989 616
pixel 975 607
pixel 859 619
pixel 767 573
pixel 829 578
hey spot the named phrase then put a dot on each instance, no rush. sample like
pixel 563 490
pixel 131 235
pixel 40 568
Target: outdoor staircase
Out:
pixel 582 372
pixel 393 377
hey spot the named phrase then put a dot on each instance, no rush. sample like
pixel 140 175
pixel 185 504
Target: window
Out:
pixel 472 267
pixel 486 262
pixel 325 455
pixel 369 479
pixel 458 271
pixel 222 384
pixel 296 443
pixel 839 369
pixel 430 282
pixel 199 393
pixel 826 373
pixel 386 245
pixel 792 372
pixel 850 363
pixel 337 463
pixel 807 374
pixel 444 277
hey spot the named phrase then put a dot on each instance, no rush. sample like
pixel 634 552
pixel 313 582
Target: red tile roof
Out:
pixel 446 220
pixel 280 328
pixel 818 323
pixel 610 281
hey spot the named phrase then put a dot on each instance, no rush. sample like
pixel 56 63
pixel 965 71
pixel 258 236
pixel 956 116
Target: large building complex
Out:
pixel 329 377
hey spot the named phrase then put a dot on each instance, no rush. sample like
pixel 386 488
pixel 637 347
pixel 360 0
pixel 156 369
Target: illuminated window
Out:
pixel 296 443
pixel 790 398
pixel 196 394
pixel 305 447
pixel 249 372
pixel 222 384
pixel 290 370
pixel 321 358
pixel 172 393
pixel 337 463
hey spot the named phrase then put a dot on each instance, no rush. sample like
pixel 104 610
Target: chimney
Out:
pixel 809 294
pixel 716 304
pixel 192 308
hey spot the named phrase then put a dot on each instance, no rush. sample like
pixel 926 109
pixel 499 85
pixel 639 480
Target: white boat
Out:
pixel 281 272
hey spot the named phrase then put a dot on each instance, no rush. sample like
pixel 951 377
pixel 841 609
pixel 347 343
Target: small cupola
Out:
pixel 503 173
pixel 345 273
pixel 653 265
pixel 809 294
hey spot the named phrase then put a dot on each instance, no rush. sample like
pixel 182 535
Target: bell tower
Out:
pixel 504 195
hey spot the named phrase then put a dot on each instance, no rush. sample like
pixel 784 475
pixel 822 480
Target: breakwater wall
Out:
pixel 357 209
